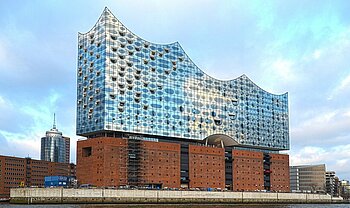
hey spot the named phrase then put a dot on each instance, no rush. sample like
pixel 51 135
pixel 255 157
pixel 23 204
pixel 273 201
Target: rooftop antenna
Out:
pixel 54 121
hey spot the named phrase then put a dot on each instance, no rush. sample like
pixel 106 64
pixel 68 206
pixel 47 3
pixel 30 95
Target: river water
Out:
pixel 181 206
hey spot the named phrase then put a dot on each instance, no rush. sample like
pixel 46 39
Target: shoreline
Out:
pixel 110 196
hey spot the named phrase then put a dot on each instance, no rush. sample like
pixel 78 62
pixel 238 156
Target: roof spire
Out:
pixel 54 121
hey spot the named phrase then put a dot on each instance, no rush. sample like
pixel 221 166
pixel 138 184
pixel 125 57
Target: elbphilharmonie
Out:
pixel 153 119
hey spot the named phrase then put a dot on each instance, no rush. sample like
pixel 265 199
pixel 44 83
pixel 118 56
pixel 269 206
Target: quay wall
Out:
pixel 65 196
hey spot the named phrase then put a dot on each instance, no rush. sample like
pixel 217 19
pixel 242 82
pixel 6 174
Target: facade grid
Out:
pixel 308 178
pixel 127 84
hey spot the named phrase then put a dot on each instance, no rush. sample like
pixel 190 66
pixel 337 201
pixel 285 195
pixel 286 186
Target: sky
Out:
pixel 300 47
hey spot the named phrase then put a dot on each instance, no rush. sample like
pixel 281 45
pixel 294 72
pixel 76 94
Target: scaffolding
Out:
pixel 133 164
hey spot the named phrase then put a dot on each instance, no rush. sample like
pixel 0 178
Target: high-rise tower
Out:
pixel 55 147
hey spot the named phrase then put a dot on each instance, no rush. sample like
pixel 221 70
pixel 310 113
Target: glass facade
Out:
pixel 53 147
pixel 307 178
pixel 127 84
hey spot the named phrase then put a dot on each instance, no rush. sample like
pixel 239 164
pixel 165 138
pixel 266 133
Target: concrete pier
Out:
pixel 69 196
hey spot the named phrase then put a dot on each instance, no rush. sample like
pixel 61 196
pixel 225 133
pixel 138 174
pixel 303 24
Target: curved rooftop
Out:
pixel 106 11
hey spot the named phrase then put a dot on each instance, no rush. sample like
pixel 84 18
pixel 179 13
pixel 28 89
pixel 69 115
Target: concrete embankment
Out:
pixel 65 196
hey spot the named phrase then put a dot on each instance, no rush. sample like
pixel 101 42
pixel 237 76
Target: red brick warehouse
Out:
pixel 26 172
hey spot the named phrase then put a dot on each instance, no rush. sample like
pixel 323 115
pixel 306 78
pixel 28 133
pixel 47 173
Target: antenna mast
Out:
pixel 54 121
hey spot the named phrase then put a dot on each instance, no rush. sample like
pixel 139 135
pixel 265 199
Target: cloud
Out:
pixel 4 144
pixel 336 158
pixel 24 123
pixel 281 69
pixel 308 155
pixel 317 54
pixel 21 145
pixel 2 102
pixel 344 85
pixel 11 118
pixel 41 112
pixel 323 127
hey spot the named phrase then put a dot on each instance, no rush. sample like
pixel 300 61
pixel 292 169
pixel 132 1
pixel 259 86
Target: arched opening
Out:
pixel 220 140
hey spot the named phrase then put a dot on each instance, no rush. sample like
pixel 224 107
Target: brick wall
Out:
pixel 14 171
pixel 279 173
pixel 107 164
pixel 102 161
pixel 248 173
pixel 161 163
pixel 206 167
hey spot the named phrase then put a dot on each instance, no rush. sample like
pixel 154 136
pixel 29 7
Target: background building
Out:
pixel 67 142
pixel 308 178
pixel 345 189
pixel 147 107
pixel 26 172
pixel 54 146
pixel 332 183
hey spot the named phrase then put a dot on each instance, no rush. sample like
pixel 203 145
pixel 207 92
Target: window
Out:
pixel 113 37
pixel 87 151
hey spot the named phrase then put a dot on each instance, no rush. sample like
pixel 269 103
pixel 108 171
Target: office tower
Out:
pixel 308 178
pixel 54 146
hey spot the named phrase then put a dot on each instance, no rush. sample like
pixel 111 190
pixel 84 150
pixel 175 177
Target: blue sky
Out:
pixel 300 47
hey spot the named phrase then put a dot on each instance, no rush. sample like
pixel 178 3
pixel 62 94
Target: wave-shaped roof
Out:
pixel 107 12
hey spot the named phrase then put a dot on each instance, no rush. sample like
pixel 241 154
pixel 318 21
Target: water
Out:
pixel 179 206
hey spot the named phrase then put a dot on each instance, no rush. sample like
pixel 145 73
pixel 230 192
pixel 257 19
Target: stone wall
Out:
pixel 56 195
